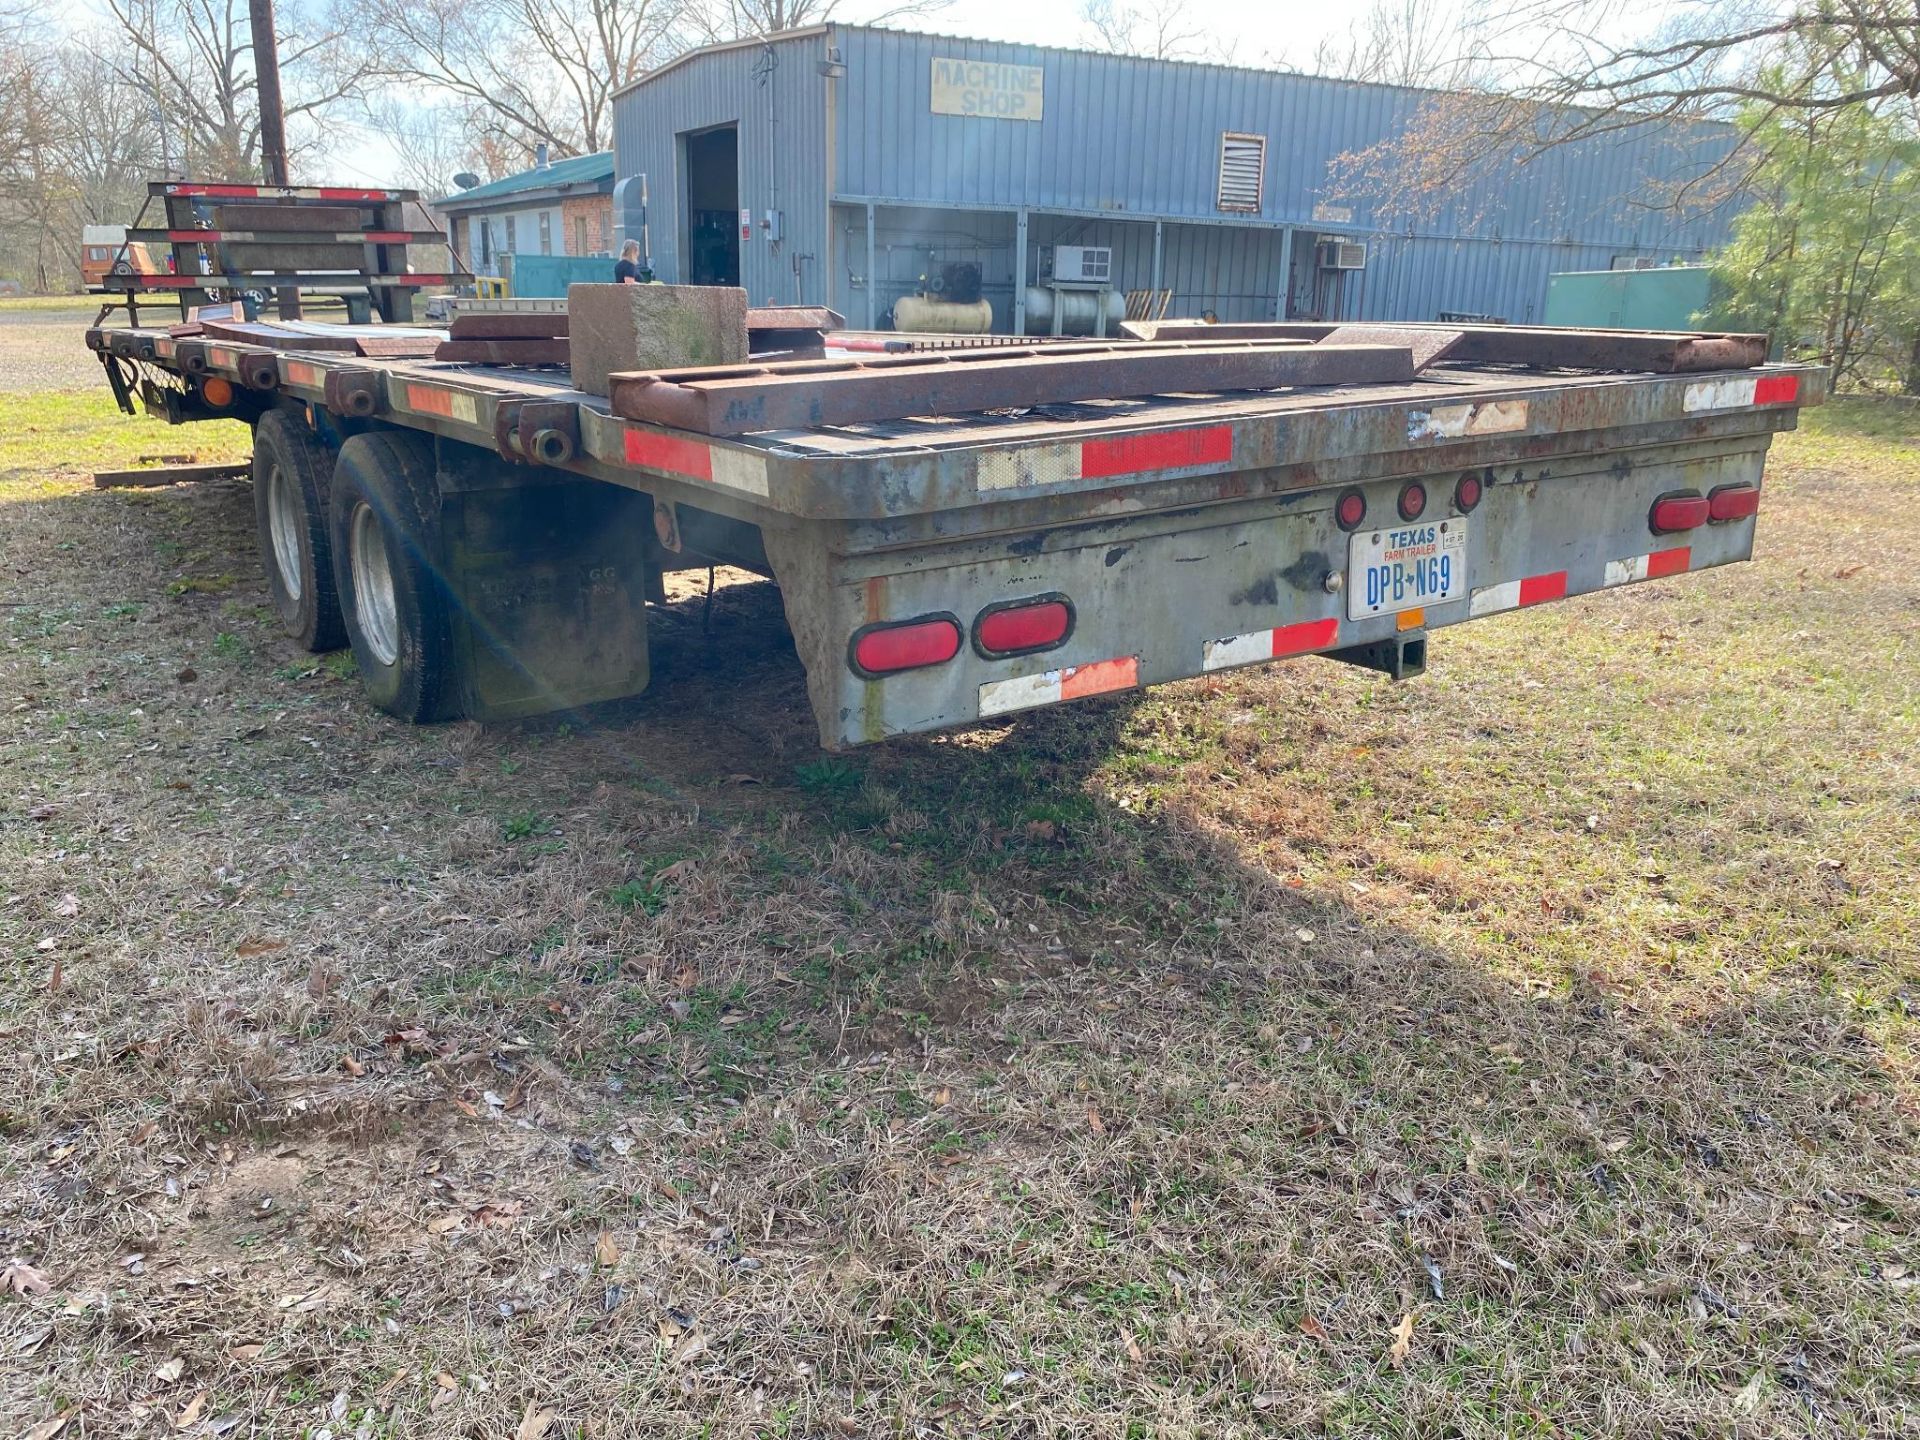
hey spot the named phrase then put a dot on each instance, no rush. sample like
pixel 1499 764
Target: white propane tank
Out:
pixel 1078 310
pixel 925 315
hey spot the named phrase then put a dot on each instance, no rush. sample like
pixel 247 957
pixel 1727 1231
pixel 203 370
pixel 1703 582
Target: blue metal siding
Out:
pixel 781 112
pixel 1124 141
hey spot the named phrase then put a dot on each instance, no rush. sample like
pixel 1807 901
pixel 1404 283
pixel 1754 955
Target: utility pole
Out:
pixel 273 124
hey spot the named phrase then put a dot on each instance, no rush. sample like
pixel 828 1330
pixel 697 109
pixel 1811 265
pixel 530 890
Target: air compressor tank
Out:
pixel 926 315
pixel 1079 310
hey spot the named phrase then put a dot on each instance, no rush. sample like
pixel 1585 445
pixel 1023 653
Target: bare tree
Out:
pixel 707 21
pixel 1158 29
pixel 433 143
pixel 1425 43
pixel 194 59
pixel 1548 77
pixel 523 72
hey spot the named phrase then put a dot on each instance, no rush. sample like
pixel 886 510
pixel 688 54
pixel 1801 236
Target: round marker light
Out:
pixel 1413 501
pixel 217 391
pixel 1467 493
pixel 1350 510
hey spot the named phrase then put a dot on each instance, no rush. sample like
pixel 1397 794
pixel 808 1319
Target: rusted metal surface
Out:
pixel 503 352
pixel 739 400
pixel 165 475
pixel 1542 347
pixel 509 325
pixel 1428 346
pixel 793 317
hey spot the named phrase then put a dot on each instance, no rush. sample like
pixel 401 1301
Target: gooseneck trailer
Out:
pixel 487 538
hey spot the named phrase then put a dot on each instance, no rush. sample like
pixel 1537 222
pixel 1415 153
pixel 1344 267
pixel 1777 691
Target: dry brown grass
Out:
pixel 1132 1069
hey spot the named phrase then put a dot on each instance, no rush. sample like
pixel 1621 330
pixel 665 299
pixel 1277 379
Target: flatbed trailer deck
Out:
pixel 941 570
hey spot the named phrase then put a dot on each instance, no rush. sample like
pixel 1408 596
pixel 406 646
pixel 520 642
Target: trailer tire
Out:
pixel 399 617
pixel 290 469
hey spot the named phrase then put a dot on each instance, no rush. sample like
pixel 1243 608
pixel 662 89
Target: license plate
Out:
pixel 1405 567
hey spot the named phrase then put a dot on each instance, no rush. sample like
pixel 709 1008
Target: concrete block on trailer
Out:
pixel 652 327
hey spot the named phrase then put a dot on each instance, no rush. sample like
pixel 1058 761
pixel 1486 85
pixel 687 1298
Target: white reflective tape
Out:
pixel 1455 422
pixel 1237 650
pixel 1021 468
pixel 998 697
pixel 1718 394
pixel 740 470
pixel 1625 572
pixel 464 408
pixel 1495 598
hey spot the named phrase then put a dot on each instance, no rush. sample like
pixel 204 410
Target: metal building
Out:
pixel 853 166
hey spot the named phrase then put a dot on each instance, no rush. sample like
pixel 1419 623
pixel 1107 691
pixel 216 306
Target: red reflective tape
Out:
pixel 1307 635
pixel 1666 562
pixel 1776 389
pixel 1168 450
pixel 1100 677
pixel 225 191
pixel 430 400
pixel 1537 588
pixel 670 453
pixel 335 192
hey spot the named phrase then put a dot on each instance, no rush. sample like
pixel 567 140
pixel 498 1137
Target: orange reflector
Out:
pixel 217 392
pixel 1410 619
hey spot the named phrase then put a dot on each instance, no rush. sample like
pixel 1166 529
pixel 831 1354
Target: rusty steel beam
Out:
pixel 739 400
pixel 1540 346
pixel 503 352
pixel 1428 346
pixel 509 325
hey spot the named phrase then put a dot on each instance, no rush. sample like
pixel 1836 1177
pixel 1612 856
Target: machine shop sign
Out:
pixel 983 89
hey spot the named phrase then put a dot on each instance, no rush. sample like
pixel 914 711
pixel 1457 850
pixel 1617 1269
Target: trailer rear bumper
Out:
pixel 1171 595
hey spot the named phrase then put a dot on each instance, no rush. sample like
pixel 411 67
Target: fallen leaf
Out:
pixel 319 980
pixel 258 945
pixel 221 1424
pixel 605 1250
pixel 171 1371
pixel 1314 1330
pixel 1748 1400
pixel 67 907
pixel 744 779
pixel 20 1278
pixel 190 1412
pixel 1094 1122
pixel 535 1423
pixel 943 1095
pixel 1040 829
pixel 1402 1341
pixel 43 812
pixel 690 1345
pixel 1134 1352
pixel 1847 572
pixel 242 1354
pixel 52 1426
pixel 352 1066
pixel 32 1340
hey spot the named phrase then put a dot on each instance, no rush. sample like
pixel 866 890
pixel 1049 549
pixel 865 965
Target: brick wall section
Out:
pixel 597 211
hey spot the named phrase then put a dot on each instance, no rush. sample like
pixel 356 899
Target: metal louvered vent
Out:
pixel 1243 171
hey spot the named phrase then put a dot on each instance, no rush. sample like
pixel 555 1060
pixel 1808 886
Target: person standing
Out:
pixel 626 270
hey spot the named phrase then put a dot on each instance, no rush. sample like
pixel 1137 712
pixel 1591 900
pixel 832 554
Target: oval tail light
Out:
pixel 1022 627
pixel 888 648
pixel 1733 502
pixel 1683 510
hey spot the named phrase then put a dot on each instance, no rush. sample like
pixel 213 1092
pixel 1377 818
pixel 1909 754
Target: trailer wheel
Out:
pixel 399 621
pixel 290 525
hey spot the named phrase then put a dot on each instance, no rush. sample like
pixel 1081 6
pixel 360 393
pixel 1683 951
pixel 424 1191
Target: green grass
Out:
pixel 1129 1069
pixel 52 434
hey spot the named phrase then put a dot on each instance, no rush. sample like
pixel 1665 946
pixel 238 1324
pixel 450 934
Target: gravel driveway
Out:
pixel 43 349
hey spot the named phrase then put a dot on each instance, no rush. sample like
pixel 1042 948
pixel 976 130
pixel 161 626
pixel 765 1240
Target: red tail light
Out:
pixel 1467 493
pixel 1682 510
pixel 1413 501
pixel 908 645
pixel 1734 502
pixel 1350 510
pixel 1023 626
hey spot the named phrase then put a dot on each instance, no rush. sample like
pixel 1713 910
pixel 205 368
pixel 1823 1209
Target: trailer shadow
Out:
pixel 989 1081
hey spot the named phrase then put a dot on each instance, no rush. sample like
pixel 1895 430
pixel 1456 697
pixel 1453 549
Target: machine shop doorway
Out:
pixel 710 201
